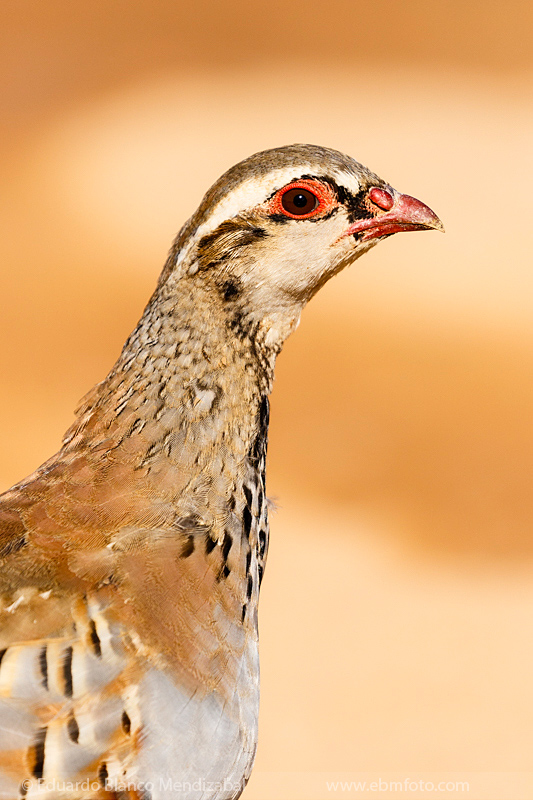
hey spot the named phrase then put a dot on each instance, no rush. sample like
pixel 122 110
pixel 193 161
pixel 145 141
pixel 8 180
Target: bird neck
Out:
pixel 190 384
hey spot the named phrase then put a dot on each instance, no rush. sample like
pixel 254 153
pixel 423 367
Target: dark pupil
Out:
pixel 299 201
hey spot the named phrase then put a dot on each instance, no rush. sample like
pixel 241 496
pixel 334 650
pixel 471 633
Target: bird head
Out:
pixel 275 227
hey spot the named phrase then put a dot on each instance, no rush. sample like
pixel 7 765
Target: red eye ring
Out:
pixel 288 203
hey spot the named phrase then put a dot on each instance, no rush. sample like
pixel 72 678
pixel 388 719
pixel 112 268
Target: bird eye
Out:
pixel 299 202
pixel 303 198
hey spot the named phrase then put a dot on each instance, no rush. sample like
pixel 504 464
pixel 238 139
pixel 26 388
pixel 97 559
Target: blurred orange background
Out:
pixel 396 611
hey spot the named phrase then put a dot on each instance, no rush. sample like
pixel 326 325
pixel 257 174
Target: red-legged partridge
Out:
pixel 131 560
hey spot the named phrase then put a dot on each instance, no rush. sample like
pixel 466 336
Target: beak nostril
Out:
pixel 381 198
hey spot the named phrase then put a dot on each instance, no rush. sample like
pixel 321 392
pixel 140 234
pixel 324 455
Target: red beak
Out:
pixel 404 213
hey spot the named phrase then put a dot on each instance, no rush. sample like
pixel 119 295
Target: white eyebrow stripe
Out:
pixel 256 190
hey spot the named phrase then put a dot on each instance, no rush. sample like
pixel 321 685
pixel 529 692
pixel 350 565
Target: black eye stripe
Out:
pixel 355 205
